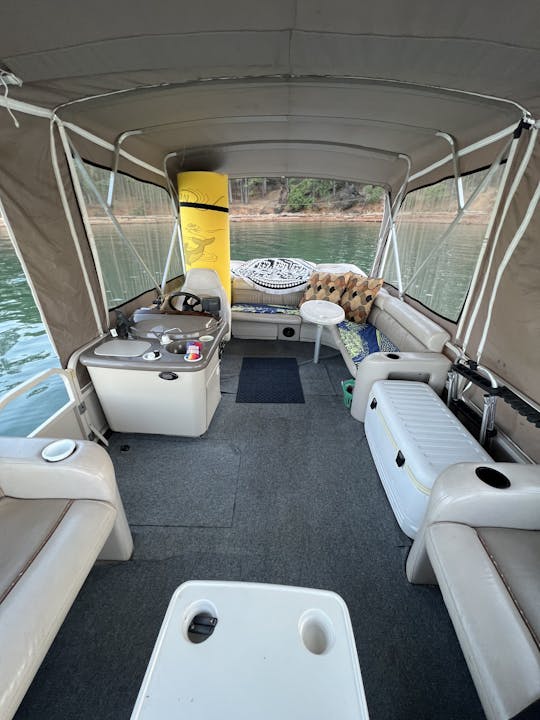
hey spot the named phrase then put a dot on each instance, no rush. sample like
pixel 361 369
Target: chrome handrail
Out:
pixel 37 380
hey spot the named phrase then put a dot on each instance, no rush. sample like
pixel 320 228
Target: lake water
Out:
pixel 316 241
pixel 25 349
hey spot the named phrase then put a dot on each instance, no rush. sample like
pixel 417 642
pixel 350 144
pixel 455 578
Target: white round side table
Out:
pixel 321 313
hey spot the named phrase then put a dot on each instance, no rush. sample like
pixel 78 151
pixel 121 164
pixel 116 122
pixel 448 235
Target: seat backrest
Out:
pixel 242 292
pixel 205 282
pixel 407 328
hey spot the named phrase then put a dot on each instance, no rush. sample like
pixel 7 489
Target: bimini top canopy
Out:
pixel 366 91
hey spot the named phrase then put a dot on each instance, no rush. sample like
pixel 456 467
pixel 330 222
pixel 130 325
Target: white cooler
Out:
pixel 244 651
pixel 413 437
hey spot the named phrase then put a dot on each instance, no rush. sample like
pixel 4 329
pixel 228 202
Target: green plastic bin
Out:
pixel 347 386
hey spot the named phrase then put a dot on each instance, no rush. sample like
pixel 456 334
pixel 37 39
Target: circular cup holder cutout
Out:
pixel 392 356
pixel 316 632
pixel 58 450
pixel 200 621
pixel 492 477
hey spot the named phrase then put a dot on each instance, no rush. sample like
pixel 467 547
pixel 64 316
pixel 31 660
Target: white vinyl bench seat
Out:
pixel 480 542
pixel 56 519
pixel 406 346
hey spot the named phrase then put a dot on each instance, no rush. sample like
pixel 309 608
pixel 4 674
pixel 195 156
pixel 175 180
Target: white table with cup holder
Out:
pixel 321 313
pixel 238 651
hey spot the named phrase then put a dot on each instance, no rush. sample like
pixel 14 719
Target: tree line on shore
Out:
pixel 303 194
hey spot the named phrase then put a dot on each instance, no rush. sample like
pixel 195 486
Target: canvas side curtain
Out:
pixel 33 206
pixel 512 345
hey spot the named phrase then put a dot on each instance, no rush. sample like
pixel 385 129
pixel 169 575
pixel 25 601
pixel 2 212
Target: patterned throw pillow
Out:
pixel 326 286
pixel 359 296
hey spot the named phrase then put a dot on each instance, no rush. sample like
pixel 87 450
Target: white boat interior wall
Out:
pixel 395 95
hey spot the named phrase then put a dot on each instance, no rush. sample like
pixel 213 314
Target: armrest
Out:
pixel 422 366
pixel 459 496
pixel 86 474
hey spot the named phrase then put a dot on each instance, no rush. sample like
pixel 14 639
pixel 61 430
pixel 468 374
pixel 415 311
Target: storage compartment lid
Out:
pixel 420 426
pixel 122 348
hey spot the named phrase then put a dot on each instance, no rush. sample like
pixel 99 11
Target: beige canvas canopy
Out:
pixel 292 87
pixel 389 93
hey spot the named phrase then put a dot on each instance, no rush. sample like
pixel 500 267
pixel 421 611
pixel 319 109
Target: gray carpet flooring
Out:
pixel 271 493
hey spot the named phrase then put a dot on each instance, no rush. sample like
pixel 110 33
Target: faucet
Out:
pixel 164 337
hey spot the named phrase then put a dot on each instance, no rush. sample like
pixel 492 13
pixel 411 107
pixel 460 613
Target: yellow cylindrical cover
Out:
pixel 204 220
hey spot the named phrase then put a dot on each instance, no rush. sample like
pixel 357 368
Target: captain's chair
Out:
pixel 206 283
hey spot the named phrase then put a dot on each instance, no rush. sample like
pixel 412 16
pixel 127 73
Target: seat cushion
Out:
pixel 363 339
pixel 516 555
pixel 25 527
pixel 502 655
pixel 33 610
pixel 264 309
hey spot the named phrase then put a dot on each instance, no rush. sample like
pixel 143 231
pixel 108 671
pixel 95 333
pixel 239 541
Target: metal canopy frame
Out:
pixel 462 209
pixel 116 159
pixel 110 214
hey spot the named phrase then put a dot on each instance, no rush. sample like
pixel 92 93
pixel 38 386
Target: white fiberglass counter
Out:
pixel 146 387
pixel 239 651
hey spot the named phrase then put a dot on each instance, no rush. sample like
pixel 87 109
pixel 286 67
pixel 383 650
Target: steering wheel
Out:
pixel 189 303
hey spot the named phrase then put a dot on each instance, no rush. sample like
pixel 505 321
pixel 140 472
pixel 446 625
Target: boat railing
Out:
pixel 73 403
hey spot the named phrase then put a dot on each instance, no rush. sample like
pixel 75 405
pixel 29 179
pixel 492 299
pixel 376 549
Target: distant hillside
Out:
pixel 256 197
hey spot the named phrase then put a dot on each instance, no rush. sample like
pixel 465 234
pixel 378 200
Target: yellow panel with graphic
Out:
pixel 204 219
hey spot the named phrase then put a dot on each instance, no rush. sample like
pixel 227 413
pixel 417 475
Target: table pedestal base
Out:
pixel 317 344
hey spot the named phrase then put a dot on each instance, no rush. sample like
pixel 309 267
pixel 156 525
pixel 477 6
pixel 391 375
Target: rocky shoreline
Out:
pixel 472 218
pixel 307 217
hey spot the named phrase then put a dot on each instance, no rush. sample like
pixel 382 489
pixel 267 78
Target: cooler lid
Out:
pixel 429 437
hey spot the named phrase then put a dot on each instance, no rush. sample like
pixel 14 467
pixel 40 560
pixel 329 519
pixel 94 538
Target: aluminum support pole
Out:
pixel 393 237
pixel 84 212
pixel 116 159
pixel 80 166
pixel 69 217
pixel 487 235
pixel 455 162
pixel 169 258
pixel 381 253
pixel 460 214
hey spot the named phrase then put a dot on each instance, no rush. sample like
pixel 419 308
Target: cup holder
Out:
pixel 316 632
pixel 177 347
pixel 492 477
pixel 200 621
pixel 392 356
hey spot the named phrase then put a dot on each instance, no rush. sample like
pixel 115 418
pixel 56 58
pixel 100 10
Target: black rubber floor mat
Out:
pixel 269 380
